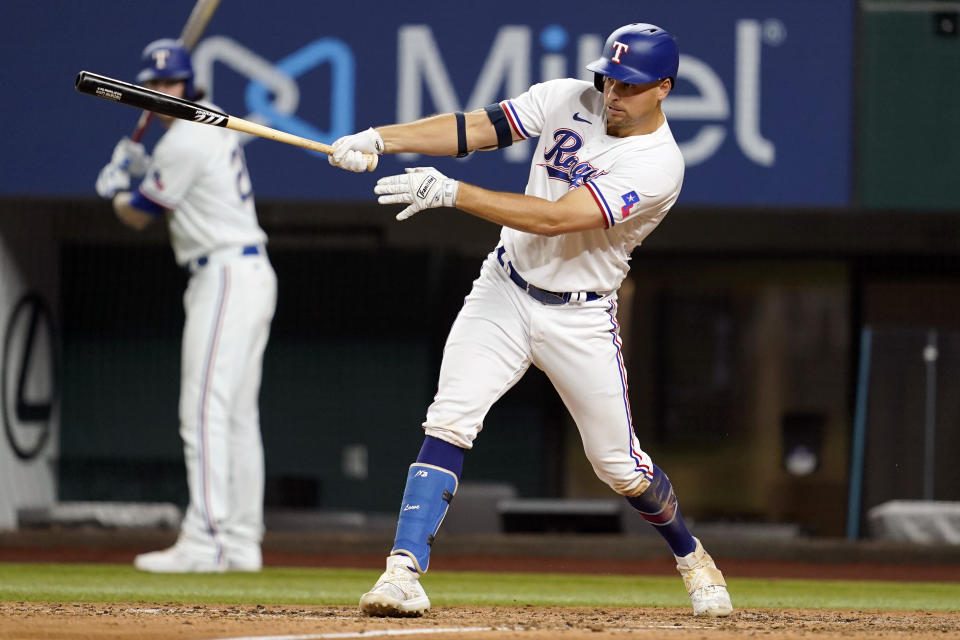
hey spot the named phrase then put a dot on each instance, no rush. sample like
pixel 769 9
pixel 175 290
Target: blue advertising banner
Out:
pixel 762 109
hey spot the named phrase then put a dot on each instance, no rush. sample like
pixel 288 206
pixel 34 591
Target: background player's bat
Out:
pixel 156 102
pixel 192 30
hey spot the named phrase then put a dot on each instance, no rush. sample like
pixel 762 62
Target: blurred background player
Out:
pixel 197 178
pixel 605 172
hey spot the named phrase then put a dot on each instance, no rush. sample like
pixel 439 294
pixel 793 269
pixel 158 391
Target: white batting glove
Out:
pixel 111 180
pixel 420 187
pixel 348 151
pixel 131 157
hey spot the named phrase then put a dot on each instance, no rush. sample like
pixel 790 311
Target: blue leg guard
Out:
pixel 425 501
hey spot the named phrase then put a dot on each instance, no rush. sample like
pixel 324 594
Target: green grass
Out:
pixel 121 583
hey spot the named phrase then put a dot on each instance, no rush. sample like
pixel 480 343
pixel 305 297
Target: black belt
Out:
pixel 542 295
pixel 249 250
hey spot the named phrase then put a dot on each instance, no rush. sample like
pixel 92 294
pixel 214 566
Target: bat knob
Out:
pixel 372 160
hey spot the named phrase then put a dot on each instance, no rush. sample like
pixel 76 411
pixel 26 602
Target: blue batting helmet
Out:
pixel 637 53
pixel 166 59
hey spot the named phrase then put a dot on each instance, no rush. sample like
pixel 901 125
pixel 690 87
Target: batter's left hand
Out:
pixel 420 187
pixel 348 151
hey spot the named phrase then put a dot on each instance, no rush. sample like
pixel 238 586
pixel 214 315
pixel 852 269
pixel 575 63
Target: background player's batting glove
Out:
pixel 111 180
pixel 348 151
pixel 420 187
pixel 131 157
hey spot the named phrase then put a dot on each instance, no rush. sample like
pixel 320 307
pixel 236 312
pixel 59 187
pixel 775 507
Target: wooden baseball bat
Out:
pixel 156 102
pixel 197 22
pixel 192 30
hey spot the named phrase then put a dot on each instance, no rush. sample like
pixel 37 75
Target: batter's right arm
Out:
pixel 425 188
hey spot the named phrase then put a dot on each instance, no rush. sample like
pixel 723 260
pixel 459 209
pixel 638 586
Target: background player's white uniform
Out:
pixel 502 330
pixel 198 173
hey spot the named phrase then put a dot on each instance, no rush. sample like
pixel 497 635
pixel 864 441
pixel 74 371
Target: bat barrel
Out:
pixel 100 86
pixel 133 95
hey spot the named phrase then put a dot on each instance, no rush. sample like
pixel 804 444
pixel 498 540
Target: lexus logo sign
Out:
pixel 29 376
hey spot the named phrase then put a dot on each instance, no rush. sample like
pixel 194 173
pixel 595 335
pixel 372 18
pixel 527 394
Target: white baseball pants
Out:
pixel 229 305
pixel 500 332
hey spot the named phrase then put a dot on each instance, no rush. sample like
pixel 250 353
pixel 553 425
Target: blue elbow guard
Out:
pixel 425 501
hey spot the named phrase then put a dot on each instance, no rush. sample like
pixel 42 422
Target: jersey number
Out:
pixel 244 186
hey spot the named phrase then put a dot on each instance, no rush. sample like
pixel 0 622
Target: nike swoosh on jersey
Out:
pixel 576 116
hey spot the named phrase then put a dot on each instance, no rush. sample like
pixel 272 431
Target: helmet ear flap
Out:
pixel 598 81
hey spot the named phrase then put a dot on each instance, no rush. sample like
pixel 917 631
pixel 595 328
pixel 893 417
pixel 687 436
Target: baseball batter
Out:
pixel 197 178
pixel 605 172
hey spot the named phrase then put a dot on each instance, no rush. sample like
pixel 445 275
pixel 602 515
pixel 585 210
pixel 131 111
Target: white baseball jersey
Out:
pixel 199 173
pixel 634 181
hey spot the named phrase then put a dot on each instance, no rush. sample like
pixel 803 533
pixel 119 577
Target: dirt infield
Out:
pixel 25 621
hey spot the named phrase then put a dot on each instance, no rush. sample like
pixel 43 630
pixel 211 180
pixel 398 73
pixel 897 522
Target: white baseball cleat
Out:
pixel 397 592
pixel 248 559
pixel 704 583
pixel 178 559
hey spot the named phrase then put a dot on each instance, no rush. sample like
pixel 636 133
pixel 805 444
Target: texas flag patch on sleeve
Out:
pixel 629 200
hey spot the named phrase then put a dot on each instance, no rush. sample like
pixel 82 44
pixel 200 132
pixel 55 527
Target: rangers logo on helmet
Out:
pixel 621 48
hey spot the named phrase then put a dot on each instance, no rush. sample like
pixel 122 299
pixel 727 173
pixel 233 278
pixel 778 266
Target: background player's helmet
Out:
pixel 637 53
pixel 166 59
